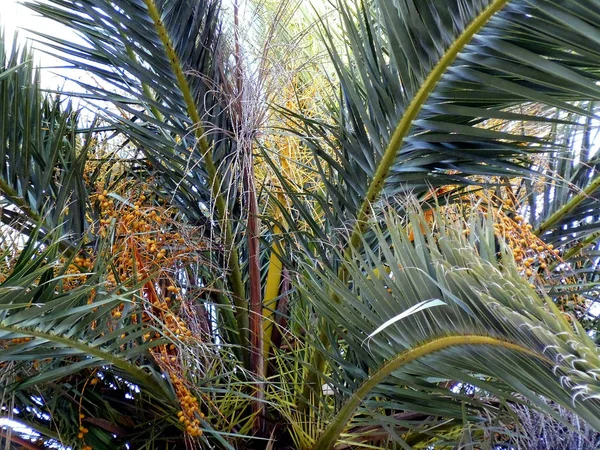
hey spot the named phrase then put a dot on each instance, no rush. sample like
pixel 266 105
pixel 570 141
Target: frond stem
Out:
pixel 235 272
pixel 89 350
pixel 568 207
pixel 331 434
pixel 389 156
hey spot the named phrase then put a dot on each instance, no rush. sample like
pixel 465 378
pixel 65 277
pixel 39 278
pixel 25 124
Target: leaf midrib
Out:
pixel 90 350
pixel 235 273
pixel 377 183
pixel 331 434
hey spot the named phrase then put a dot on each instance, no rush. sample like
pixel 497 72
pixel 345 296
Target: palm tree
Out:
pixel 346 315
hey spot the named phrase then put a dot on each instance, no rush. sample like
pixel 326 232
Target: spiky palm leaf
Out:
pixel 161 65
pixel 161 60
pixel 51 334
pixel 484 325
pixel 42 153
pixel 67 359
pixel 418 82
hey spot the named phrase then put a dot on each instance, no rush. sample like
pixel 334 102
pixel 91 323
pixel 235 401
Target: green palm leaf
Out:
pixel 161 63
pixel 51 335
pixel 493 326
pixel 161 60
pixel 73 360
pixel 419 80
pixel 43 153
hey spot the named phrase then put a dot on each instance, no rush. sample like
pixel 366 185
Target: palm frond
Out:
pixel 418 82
pixel 162 67
pixel 43 153
pixel 161 60
pixel 493 326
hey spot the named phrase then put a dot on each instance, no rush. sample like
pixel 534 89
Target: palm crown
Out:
pixel 374 256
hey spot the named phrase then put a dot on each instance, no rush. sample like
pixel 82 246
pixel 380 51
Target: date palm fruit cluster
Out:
pixel 141 242
pixel 144 244
pixel 529 251
pixel 190 413
pixel 166 357
pixel 148 247
pixel 532 254
pixel 134 224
